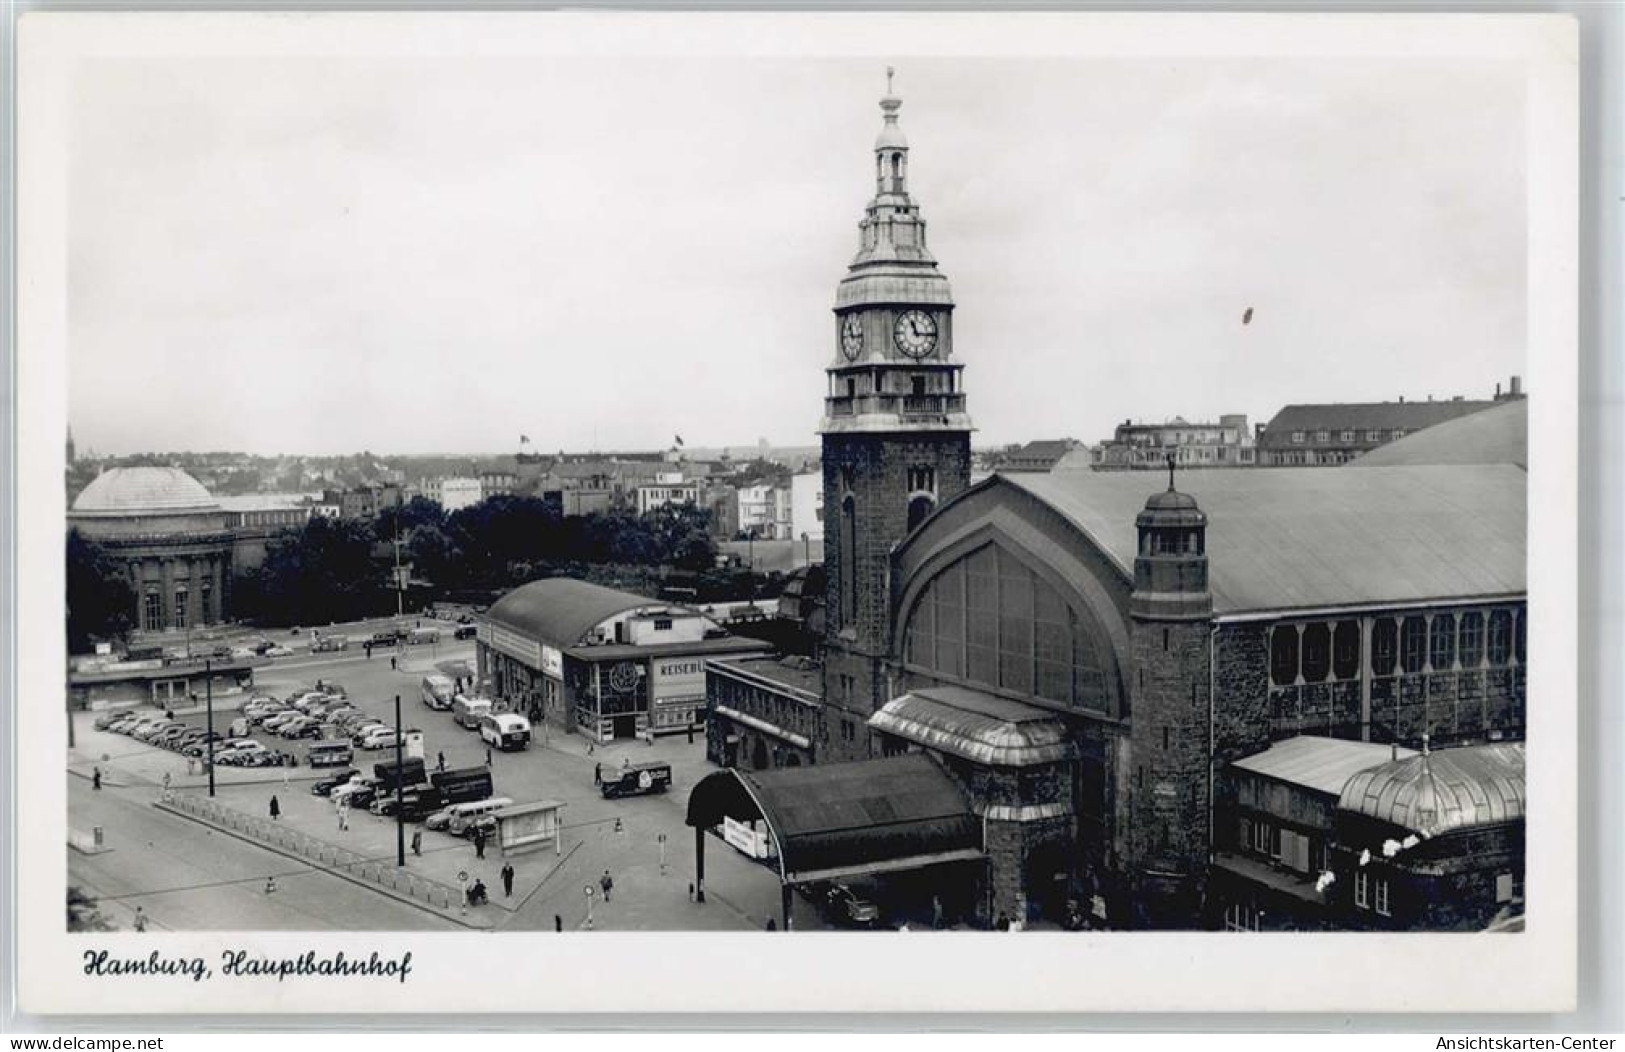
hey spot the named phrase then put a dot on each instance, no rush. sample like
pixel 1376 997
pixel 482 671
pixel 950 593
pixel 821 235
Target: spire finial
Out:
pixel 1170 472
pixel 891 71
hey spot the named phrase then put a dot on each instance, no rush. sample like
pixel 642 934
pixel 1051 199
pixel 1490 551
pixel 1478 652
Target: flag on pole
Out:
pixel 524 440
pixel 679 439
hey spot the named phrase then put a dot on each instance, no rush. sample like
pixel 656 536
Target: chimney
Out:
pixel 1401 399
pixel 1517 387
pixel 1498 391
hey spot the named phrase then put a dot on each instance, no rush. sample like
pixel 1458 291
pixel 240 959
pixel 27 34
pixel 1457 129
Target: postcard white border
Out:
pixel 1534 971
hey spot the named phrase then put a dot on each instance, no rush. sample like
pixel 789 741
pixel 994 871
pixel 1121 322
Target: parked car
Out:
pixel 358 792
pixel 169 737
pixel 152 733
pixel 121 723
pixel 466 632
pixel 326 785
pixel 379 738
pixel 851 908
pixel 384 639
pixel 282 719
pixel 106 719
pixel 365 729
pixel 294 727
pixel 200 746
pixel 276 650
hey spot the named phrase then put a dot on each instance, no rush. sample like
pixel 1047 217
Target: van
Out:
pixel 505 730
pixel 467 711
pixel 461 816
pixel 333 753
pixel 423 635
pixel 437 691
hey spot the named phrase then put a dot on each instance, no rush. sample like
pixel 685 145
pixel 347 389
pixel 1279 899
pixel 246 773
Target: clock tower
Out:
pixel 896 438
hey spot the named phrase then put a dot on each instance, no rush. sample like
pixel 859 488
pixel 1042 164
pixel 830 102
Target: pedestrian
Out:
pixel 626 763
pixel 589 747
pixel 344 817
pixel 487 756
pixel 369 651
pixel 936 911
pixel 558 922
pixel 96 778
pixel 479 843
pixel 597 775
pixel 1003 923
pixel 392 663
pixel 507 879
pixel 276 807
pixel 771 925
pixel 691 891
pixel 270 885
pixel 440 762
pixel 690 730
pixel 417 842
pixel 169 714
pixel 140 919
pixel 607 883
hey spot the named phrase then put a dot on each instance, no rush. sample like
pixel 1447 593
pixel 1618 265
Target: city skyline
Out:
pixel 379 267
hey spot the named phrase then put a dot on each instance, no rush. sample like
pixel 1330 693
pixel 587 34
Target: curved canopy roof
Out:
pixel 847 818
pixel 1284 539
pixel 1442 792
pixel 560 610
pixel 143 491
pixel 981 727
pixel 1499 435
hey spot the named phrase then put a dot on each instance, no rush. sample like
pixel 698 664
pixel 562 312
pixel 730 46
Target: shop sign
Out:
pixel 744 836
pixel 552 662
pixel 515 645
pixel 678 681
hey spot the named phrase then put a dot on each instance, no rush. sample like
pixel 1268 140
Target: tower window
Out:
pixel 918 509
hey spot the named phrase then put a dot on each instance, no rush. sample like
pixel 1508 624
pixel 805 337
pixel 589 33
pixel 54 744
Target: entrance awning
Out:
pixel 980 727
pixel 847 819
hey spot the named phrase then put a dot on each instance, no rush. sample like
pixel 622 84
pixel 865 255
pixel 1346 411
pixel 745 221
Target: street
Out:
pixel 621 836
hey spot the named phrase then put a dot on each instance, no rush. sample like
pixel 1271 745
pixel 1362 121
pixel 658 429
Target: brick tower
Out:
pixel 1170 615
pixel 896 440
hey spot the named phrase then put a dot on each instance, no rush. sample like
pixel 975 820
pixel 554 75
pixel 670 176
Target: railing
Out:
pixel 904 405
pixel 320 852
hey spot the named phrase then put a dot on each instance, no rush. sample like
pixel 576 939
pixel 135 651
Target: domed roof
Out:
pixel 139 491
pixel 1171 500
pixel 1440 792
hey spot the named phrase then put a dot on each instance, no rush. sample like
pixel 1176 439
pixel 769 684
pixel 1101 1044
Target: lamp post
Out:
pixel 400 784
pixel 806 549
pixel 208 702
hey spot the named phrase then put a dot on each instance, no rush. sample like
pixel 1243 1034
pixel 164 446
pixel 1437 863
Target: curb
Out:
pixel 318 867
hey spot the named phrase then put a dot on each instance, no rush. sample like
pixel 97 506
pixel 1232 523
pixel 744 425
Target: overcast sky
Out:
pixel 324 256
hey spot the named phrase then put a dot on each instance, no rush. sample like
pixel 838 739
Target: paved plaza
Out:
pixel 652 879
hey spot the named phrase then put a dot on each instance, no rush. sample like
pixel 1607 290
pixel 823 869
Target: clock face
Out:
pixel 852 337
pixel 915 333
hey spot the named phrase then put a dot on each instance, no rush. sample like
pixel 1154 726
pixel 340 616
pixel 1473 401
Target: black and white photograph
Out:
pixel 879 482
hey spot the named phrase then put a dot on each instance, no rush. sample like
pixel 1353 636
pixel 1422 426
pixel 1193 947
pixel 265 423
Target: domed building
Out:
pixel 172 536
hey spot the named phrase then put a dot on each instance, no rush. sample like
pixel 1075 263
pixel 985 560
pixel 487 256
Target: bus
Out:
pixel 467 711
pixel 335 753
pixel 437 691
pixel 505 730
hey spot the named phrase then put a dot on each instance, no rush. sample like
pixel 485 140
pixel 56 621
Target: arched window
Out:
pixel 1317 652
pixel 918 509
pixel 1472 639
pixel 1500 637
pixel 1346 650
pixel 989 619
pixel 1442 642
pixel 897 172
pixel 1413 651
pixel 1384 643
pixel 1284 655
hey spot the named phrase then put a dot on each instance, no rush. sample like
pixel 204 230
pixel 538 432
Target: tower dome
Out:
pixel 123 492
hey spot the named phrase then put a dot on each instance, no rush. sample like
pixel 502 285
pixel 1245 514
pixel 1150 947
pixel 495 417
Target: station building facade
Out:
pixel 601 662
pixel 1086 655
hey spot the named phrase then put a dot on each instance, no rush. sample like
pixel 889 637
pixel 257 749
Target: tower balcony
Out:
pixel 907 406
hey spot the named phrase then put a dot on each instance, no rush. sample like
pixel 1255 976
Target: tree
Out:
pixel 323 572
pixel 101 601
